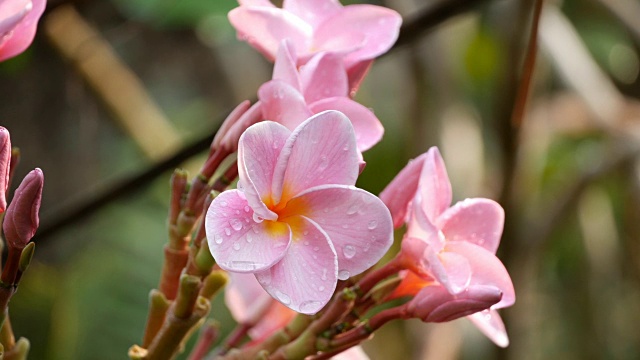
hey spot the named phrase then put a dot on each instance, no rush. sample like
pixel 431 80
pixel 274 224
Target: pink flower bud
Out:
pixel 436 304
pixel 18 22
pixel 5 166
pixel 21 220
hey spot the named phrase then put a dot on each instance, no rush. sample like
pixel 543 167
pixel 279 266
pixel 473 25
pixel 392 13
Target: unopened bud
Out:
pixel 436 304
pixel 21 220
pixel 5 166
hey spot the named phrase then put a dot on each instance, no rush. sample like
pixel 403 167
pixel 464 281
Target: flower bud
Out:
pixel 5 166
pixel 21 220
pixel 436 304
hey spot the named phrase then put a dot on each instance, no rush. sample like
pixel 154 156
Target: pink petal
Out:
pixel 258 151
pixel 304 280
pixel 354 353
pixel 312 11
pixel 5 166
pixel 491 325
pixel 413 250
pixel 356 74
pixel 451 270
pixel 23 33
pixel 378 26
pixel 322 150
pixel 368 128
pixel 246 299
pixel 434 185
pixel 478 221
pixel 435 304
pixel 265 27
pixel 357 223
pixel 276 318
pixel 285 68
pixel 323 77
pixel 401 190
pixel 283 104
pixel 486 269
pixel 237 242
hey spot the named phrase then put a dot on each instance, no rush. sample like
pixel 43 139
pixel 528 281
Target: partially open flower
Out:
pixel 21 219
pixel 18 22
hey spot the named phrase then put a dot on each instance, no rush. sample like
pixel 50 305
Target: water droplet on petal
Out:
pixel 218 239
pixel 315 248
pixel 283 298
pixel 372 225
pixel 223 203
pixel 275 144
pixel 236 224
pixel 321 288
pixel 255 229
pixel 343 274
pixel 236 246
pixel 247 209
pixel 237 212
pixel 243 265
pixel 227 231
pixel 349 251
pixel 248 237
pixel 353 209
pixel 306 242
pixel 345 226
pixel 310 306
pixel 324 274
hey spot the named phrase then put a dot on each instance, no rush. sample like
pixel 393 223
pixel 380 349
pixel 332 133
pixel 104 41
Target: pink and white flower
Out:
pixel 322 84
pixel 360 32
pixel 18 22
pixel 455 246
pixel 296 220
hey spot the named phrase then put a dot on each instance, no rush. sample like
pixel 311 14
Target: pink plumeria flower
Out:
pixel 360 32
pixel 322 84
pixel 18 22
pixel 296 220
pixel 455 245
pixel 251 305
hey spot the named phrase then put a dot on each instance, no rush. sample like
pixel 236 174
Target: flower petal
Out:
pixel 304 280
pixel 322 150
pixel 356 73
pixel 379 27
pixel 478 221
pixel 491 325
pixel 266 3
pixel 323 77
pixel 265 27
pixel 285 68
pixel 258 151
pixel 486 269
pixel 23 32
pixel 451 270
pixel 366 125
pixel 237 242
pixel 312 11
pixel 283 104
pixel 276 318
pixel 357 222
pixel 246 299
pixel 435 304
pixel 402 189
pixel 434 185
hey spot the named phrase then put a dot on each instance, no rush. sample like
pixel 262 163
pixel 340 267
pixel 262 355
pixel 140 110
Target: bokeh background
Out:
pixel 112 88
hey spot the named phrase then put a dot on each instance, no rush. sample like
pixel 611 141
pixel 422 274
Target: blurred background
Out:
pixel 114 94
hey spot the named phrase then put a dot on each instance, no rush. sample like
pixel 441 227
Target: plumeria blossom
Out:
pixel 322 84
pixel 359 32
pixel 453 246
pixel 18 22
pixel 296 220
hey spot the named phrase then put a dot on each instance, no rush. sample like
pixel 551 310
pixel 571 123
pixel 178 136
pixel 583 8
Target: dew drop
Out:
pixel 218 239
pixel 275 144
pixel 247 209
pixel 227 231
pixel 236 224
pixel 283 298
pixel 372 225
pixel 324 274
pixel 310 306
pixel 255 229
pixel 343 275
pixel 223 203
pixel 236 246
pixel 353 209
pixel 249 237
pixel 316 248
pixel 306 242
pixel 321 288
pixel 349 251
pixel 243 265
pixel 345 226
pixel 237 212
